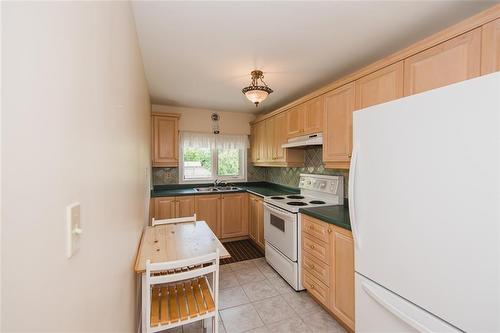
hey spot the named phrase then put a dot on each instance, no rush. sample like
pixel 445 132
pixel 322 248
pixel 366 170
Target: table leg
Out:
pixel 143 302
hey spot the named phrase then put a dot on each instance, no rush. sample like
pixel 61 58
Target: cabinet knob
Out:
pixel 312 286
pixel 311 227
pixel 329 230
pixel 311 266
pixel 312 246
pixel 350 155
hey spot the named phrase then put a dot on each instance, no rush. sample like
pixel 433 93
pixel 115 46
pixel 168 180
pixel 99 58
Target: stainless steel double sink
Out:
pixel 217 189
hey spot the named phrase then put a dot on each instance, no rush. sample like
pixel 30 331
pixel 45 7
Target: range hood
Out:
pixel 306 140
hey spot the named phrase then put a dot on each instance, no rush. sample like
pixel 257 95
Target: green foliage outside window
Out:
pixel 229 162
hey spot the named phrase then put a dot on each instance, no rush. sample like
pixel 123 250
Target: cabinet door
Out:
pixel 381 86
pixel 207 208
pixel 313 115
pixel 295 121
pixel 234 215
pixel 455 60
pixel 279 137
pixel 269 139
pixel 260 223
pixel 252 217
pixel 337 131
pixel 343 276
pixel 164 208
pixel 165 136
pixel 254 149
pixel 184 206
pixel 259 140
pixel 490 53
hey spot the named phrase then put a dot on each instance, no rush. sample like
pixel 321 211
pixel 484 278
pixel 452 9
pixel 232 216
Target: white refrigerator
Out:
pixel 424 199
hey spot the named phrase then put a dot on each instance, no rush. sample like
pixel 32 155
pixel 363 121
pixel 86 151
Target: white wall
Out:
pixel 198 120
pixel 75 128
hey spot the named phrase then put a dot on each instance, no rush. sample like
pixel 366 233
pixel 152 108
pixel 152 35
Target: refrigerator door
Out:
pixel 424 197
pixel 380 310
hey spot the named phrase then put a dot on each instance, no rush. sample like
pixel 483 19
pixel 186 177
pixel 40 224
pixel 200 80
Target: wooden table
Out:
pixel 170 242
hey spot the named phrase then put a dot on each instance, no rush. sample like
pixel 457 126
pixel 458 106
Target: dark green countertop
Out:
pixel 338 215
pixel 259 188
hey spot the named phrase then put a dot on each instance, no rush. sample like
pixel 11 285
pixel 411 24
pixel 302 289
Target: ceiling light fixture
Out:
pixel 254 92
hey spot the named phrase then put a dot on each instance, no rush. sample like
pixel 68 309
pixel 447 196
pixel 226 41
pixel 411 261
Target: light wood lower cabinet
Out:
pixel 328 267
pixel 455 60
pixel 234 215
pixel 208 209
pixel 172 207
pixel 226 214
pixel 490 47
pixel 256 220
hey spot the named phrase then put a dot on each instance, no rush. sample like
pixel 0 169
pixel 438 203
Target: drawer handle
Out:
pixel 329 230
pixel 312 247
pixel 311 266
pixel 312 286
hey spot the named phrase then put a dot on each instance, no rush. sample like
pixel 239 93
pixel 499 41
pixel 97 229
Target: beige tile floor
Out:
pixel 254 298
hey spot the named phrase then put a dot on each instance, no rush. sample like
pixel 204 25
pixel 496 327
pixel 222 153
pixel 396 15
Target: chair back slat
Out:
pixel 173 220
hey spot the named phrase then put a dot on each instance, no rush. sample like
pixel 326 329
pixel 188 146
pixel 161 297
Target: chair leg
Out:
pixel 215 324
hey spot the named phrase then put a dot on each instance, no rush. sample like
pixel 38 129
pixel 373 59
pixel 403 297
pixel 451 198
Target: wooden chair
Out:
pixel 179 292
pixel 174 220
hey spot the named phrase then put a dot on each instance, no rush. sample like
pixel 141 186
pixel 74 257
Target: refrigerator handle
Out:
pixel 403 312
pixel 352 203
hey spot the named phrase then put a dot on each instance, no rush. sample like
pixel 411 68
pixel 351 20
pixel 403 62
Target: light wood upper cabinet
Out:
pixel 455 60
pixel 342 300
pixel 165 136
pixel 184 206
pixel 254 151
pixel 313 116
pixel 490 53
pixel 337 130
pixel 280 136
pixel 164 208
pixel 256 220
pixel 381 86
pixel 260 131
pixel 269 139
pixel 234 215
pixel 208 209
pixel 295 121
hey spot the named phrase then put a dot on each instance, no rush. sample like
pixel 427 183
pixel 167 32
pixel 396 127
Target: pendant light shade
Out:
pixel 254 92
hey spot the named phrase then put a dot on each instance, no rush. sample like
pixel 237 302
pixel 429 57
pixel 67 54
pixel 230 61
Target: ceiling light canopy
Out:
pixel 254 92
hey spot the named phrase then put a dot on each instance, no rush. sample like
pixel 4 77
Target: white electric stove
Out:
pixel 282 227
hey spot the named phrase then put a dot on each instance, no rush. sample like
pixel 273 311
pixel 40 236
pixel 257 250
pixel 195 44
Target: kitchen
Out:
pixel 337 195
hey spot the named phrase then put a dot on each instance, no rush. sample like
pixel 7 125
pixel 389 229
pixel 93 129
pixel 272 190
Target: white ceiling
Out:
pixel 200 54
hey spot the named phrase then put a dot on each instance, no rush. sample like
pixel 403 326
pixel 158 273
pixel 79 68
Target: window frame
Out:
pixel 242 176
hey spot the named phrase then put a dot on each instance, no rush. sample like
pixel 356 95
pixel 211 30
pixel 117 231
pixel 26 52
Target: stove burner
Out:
pixel 277 198
pixel 295 197
pixel 317 202
pixel 296 203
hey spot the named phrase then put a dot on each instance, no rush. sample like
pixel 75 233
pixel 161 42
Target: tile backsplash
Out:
pixel 283 176
pixel 313 164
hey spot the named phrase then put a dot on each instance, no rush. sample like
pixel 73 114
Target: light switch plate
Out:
pixel 73 229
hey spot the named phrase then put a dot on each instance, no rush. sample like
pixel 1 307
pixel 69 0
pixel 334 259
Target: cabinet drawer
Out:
pixel 319 230
pixel 316 248
pixel 316 268
pixel 317 289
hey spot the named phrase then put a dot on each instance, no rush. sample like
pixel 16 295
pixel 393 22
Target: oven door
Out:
pixel 280 230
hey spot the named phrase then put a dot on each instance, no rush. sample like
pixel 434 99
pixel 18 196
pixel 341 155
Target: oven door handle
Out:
pixel 277 211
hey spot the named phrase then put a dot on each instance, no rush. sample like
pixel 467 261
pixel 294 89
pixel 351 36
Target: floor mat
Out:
pixel 241 250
